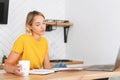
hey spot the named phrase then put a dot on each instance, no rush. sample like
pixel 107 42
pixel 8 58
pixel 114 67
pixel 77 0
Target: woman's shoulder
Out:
pixel 24 35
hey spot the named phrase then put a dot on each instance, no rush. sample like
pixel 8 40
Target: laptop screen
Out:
pixel 117 63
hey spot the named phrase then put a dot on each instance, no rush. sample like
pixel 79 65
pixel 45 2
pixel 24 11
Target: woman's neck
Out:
pixel 37 37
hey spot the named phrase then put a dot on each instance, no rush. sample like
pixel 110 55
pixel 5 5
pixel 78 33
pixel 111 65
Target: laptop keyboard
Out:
pixel 101 67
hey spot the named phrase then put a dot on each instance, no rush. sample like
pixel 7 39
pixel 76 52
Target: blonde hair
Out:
pixel 29 19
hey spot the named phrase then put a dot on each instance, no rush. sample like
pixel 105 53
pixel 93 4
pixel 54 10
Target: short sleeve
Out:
pixel 18 45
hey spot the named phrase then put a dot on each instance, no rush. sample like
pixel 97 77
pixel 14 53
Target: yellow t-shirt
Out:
pixel 31 49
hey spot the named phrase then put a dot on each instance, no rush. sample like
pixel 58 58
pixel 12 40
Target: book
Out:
pixel 41 71
pixel 67 69
pixel 48 71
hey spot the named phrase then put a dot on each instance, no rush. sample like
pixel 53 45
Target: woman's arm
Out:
pixel 10 62
pixel 46 63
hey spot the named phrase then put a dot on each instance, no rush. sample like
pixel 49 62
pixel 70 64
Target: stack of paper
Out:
pixel 67 69
pixel 2 71
pixel 41 71
pixel 48 71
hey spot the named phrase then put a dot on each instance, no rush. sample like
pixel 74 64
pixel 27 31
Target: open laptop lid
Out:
pixel 106 67
pixel 117 63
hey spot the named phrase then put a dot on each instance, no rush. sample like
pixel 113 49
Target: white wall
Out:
pixel 95 33
pixel 18 10
pixel 95 36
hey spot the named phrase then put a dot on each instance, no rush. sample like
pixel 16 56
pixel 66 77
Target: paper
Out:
pixel 2 71
pixel 67 69
pixel 41 71
pixel 48 71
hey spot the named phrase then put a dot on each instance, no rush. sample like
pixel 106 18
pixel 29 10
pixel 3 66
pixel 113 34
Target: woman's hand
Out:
pixel 17 70
pixel 10 66
pixel 46 63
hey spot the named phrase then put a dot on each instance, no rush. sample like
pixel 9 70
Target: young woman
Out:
pixel 30 46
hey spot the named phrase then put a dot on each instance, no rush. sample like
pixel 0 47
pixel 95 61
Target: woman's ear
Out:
pixel 28 26
pixel 29 29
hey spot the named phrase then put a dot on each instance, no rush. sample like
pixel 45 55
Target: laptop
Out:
pixel 106 67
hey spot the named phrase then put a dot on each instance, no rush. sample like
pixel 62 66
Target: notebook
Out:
pixel 41 71
pixel 48 71
pixel 106 67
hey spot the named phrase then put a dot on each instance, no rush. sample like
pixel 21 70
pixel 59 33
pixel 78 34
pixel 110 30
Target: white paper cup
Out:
pixel 25 64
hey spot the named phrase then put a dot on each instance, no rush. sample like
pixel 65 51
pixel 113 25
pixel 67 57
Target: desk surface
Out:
pixel 67 62
pixel 64 75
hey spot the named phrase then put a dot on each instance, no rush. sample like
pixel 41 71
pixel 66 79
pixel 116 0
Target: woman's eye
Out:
pixel 37 24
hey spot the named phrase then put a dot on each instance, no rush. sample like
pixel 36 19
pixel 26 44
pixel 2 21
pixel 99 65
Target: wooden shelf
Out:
pixel 61 24
pixel 65 24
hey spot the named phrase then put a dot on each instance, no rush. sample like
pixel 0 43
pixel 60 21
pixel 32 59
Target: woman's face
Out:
pixel 38 27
